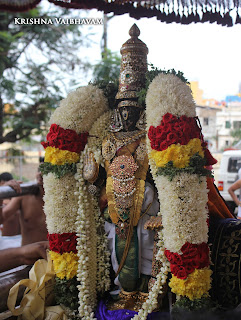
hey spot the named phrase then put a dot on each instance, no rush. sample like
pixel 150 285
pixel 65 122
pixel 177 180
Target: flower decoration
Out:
pixel 173 95
pixel 65 265
pixel 180 155
pixel 60 203
pixel 173 130
pixel 177 154
pixel 196 286
pixel 93 268
pixel 60 157
pixel 193 257
pixel 64 242
pixel 80 109
pixel 65 139
pixel 65 143
pixel 97 134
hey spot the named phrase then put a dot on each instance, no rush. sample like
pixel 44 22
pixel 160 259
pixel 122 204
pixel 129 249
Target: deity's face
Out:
pixel 129 116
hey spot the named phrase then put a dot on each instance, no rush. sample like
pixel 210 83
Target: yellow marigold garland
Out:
pixel 60 157
pixel 179 154
pixel 197 284
pixel 65 265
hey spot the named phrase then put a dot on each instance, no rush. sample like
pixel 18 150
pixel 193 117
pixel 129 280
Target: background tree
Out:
pixel 108 69
pixel 36 61
pixel 236 134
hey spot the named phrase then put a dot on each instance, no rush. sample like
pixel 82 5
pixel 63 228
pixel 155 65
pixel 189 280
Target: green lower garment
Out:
pixel 129 274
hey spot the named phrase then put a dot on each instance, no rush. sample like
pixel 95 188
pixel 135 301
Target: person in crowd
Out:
pixel 13 184
pixel 32 217
pixel 25 255
pixel 11 226
pixel 236 186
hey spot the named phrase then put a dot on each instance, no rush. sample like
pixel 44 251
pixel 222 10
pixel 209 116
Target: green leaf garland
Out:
pixel 58 170
pixel 196 166
pixel 66 292
pixel 150 75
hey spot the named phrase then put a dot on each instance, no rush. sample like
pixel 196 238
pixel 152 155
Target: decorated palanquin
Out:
pixel 129 197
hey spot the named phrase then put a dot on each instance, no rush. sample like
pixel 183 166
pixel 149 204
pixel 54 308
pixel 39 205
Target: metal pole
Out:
pixel 21 167
pixel 27 188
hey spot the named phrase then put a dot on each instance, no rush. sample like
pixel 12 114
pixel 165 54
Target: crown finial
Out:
pixel 134 31
pixel 133 66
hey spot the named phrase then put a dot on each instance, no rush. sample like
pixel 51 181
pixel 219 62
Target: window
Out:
pixel 237 124
pixel 234 164
pixel 226 143
pixel 227 124
pixel 205 121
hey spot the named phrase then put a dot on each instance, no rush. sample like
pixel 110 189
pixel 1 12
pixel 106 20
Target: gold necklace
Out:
pixel 123 138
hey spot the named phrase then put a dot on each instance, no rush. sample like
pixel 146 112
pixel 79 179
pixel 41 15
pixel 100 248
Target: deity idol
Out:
pixel 129 199
pixel 131 193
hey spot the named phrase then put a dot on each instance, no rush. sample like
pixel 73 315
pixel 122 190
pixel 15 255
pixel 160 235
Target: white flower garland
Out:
pixel 98 133
pixel 103 255
pixel 86 246
pixel 60 203
pixel 68 205
pixel 93 269
pixel 151 303
pixel 184 213
pixel 80 109
pixel 183 201
pixel 168 93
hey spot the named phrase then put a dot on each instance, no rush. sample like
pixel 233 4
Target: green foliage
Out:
pixel 150 75
pixel 190 309
pixel 18 178
pixel 66 293
pixel 14 155
pixel 196 166
pixel 110 89
pixel 58 170
pixel 236 134
pixel 36 61
pixel 108 69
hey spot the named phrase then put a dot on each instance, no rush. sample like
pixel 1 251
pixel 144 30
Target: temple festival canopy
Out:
pixel 224 12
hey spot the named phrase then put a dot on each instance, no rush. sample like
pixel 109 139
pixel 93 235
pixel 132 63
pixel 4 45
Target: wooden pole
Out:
pixel 7 281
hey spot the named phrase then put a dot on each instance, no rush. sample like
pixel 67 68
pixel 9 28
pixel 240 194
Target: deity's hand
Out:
pixel 91 168
pixel 154 223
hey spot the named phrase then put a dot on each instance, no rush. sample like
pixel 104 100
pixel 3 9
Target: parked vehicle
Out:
pixel 228 174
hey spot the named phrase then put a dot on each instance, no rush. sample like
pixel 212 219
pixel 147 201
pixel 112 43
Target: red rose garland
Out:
pixel 64 242
pixel 65 139
pixel 174 130
pixel 195 256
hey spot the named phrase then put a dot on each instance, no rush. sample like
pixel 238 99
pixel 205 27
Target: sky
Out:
pixel 204 52
pixel 208 53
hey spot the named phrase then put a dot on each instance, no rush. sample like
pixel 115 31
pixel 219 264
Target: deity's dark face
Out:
pixel 129 116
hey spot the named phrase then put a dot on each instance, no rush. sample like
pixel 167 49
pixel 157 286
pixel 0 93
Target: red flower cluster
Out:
pixel 64 242
pixel 173 130
pixel 195 256
pixel 65 139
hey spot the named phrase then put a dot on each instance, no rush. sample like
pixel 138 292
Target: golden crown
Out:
pixel 133 66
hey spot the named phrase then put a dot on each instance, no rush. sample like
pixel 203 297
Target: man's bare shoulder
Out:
pixel 12 207
pixel 31 198
pixel 16 201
